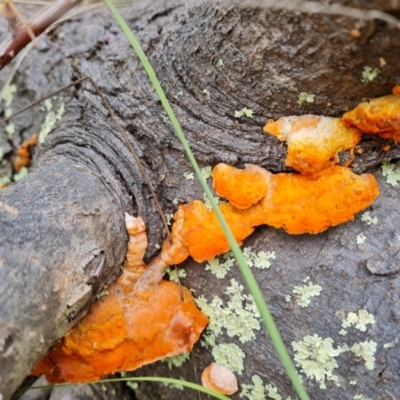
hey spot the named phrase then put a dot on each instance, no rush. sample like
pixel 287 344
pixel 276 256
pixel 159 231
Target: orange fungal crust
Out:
pixel 23 153
pixel 378 116
pixel 243 187
pixel 299 204
pixel 313 141
pixel 124 331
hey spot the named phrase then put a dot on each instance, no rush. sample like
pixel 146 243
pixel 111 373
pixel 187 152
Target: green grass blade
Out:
pixel 244 268
pixel 159 379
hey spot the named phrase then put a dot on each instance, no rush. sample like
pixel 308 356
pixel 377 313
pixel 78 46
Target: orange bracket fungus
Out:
pixel 219 378
pixel 378 116
pixel 123 331
pixel 313 141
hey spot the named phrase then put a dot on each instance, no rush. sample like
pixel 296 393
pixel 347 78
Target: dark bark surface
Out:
pixel 67 238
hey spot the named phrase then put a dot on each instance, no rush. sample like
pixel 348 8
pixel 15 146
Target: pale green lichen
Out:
pixel 220 266
pixel 366 217
pixel 305 293
pixel 207 203
pixel 317 358
pixel 207 93
pixel 221 63
pixel 206 172
pixel 168 218
pixel 175 201
pixel 174 385
pixel 259 260
pixel 359 321
pixel 4 181
pixel 343 332
pixel 272 393
pixel 9 94
pixel 50 120
pixel 391 172
pixel 255 391
pixel 10 129
pixel 360 238
pixel 189 175
pixel 22 172
pixel 178 95
pixel 173 275
pixel 369 74
pixel 366 350
pixel 360 397
pixel 229 355
pixel 244 112
pixel 239 316
pixel 102 294
pixel 353 383
pixel 389 345
pixel 132 385
pixel 305 98
pixel 288 298
pixel 176 361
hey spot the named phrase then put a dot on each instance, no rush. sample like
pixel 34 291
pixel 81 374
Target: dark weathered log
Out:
pixel 69 228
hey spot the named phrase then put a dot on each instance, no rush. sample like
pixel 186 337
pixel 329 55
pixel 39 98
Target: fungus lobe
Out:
pixel 313 141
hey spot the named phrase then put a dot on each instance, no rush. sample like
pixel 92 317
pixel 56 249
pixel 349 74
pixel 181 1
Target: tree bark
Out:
pixel 63 236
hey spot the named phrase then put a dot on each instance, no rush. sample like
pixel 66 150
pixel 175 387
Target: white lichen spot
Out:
pixel 359 321
pixel 353 383
pixel 360 238
pixel 239 316
pixel 391 172
pixel 176 361
pixel 366 217
pixel 272 392
pixel 360 397
pixel 10 129
pixel 178 95
pixel 9 94
pixel 244 112
pixel 4 181
pixel 221 63
pixel 188 175
pixel 255 391
pixel 220 266
pixel 22 172
pixel 175 202
pixel 317 358
pixel 389 345
pixel 305 98
pixel 369 74
pixel 288 298
pixel 132 385
pixel 260 260
pixel 50 120
pixel 206 172
pixel 366 350
pixel 230 355
pixel 207 93
pixel 169 217
pixel 102 294
pixel 305 293
pixel 173 275
pixel 207 203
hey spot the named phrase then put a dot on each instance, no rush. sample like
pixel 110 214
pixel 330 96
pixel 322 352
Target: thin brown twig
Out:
pixel 24 22
pixel 39 23
pixel 122 132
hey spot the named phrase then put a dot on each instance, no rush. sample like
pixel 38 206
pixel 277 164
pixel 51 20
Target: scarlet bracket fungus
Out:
pixel 123 331
pixel 313 141
pixel 378 116
pixel 219 378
